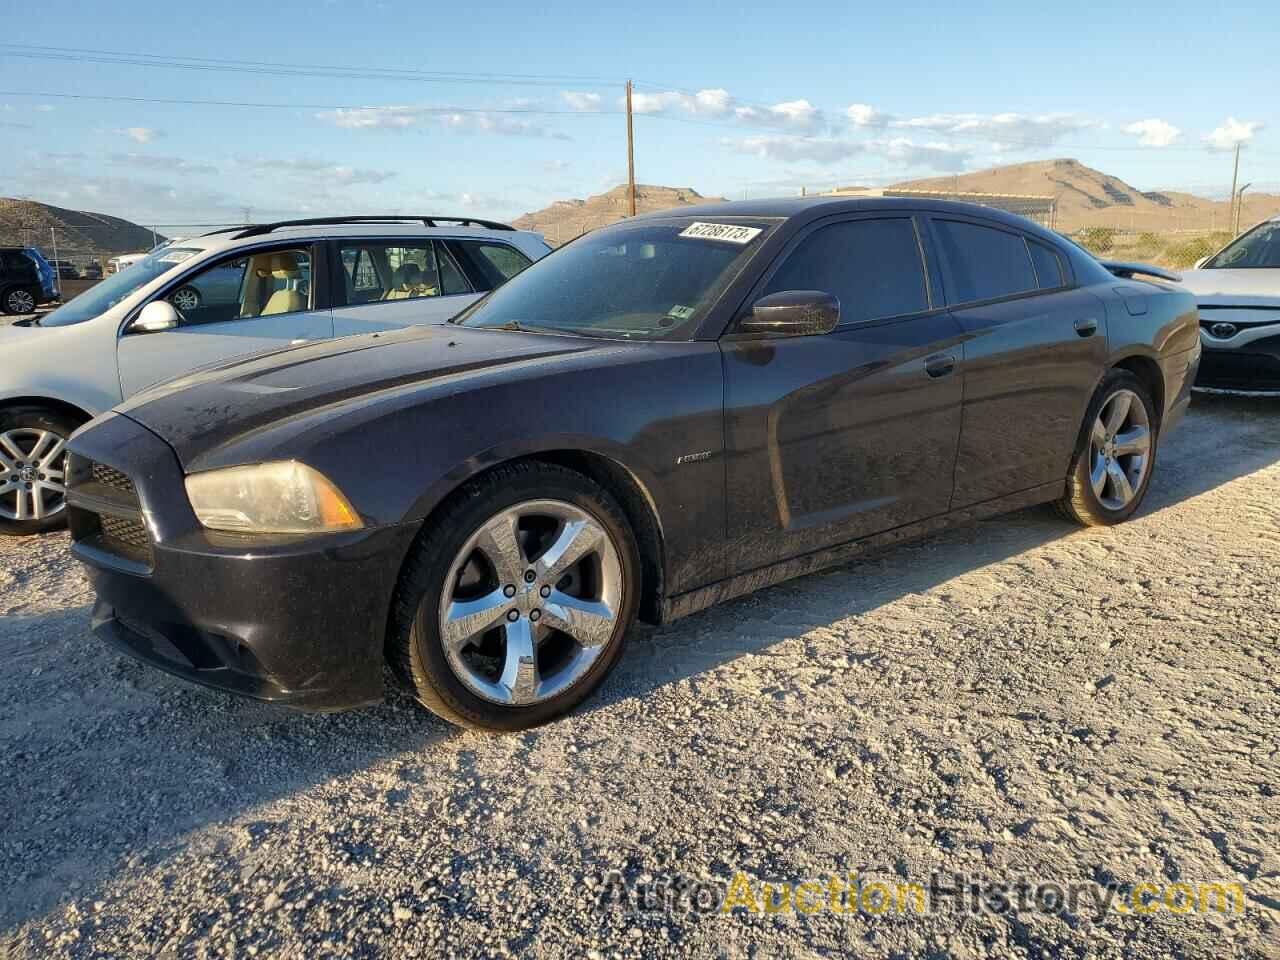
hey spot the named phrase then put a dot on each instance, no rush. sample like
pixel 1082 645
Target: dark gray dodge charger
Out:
pixel 661 415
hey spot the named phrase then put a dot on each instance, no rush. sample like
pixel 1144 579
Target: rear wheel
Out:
pixel 1115 455
pixel 33 469
pixel 515 602
pixel 18 300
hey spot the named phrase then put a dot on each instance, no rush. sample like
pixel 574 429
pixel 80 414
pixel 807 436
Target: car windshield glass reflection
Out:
pixel 105 295
pixel 651 281
pixel 1260 247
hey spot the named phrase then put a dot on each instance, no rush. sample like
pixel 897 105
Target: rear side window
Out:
pixel 872 266
pixel 985 263
pixel 495 262
pixel 1048 266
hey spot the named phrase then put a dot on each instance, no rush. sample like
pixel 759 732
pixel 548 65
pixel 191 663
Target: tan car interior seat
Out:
pixel 284 266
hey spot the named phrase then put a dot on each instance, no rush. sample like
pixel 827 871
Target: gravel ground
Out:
pixel 1020 699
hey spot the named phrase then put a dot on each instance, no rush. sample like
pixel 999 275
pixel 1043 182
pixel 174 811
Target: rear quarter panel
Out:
pixel 1149 319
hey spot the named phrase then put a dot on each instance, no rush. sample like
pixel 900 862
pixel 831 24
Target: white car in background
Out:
pixel 201 300
pixel 1238 293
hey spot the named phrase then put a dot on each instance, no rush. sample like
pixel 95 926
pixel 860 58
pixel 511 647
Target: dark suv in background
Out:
pixel 26 280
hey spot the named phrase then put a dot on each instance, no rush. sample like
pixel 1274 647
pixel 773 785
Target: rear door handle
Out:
pixel 939 366
pixel 1086 327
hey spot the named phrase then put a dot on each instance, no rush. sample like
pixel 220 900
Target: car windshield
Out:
pixel 1260 247
pixel 103 296
pixel 642 281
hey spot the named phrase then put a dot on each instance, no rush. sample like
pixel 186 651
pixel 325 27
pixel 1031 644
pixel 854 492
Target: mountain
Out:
pixel 1087 197
pixel 79 234
pixel 565 219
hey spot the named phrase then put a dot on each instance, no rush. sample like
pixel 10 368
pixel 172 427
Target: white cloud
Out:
pixel 141 134
pixel 503 124
pixel 315 170
pixel 460 120
pixel 657 102
pixel 865 115
pixel 586 102
pixel 792 148
pixel 1153 132
pixel 372 118
pixel 796 115
pixel 946 157
pixel 829 151
pixel 43 108
pixel 1005 130
pixel 1231 132
pixel 150 161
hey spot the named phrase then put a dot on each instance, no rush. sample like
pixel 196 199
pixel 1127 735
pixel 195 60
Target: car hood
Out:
pixel 201 412
pixel 1242 288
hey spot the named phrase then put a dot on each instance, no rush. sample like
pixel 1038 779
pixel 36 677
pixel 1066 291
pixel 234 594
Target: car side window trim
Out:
pixel 947 267
pixel 438 247
pixel 312 248
pixel 757 290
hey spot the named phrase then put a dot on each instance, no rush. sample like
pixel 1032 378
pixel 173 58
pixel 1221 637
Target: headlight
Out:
pixel 286 497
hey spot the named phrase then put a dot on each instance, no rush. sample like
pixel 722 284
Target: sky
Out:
pixel 365 106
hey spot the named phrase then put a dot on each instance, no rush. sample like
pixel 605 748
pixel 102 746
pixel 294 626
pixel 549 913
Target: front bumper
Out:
pixel 300 620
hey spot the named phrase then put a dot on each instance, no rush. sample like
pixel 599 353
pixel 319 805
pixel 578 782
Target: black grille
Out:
pixel 111 477
pixel 129 532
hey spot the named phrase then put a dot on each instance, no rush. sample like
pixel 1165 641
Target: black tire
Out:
pixel 1079 502
pixel 9 300
pixel 38 418
pixel 414 650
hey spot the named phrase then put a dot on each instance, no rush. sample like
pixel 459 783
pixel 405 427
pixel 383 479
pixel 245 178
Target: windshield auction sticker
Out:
pixel 728 232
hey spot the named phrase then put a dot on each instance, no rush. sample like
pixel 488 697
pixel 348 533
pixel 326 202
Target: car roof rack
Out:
pixel 258 229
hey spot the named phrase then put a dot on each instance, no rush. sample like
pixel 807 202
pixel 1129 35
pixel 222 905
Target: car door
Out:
pixel 245 303
pixel 835 437
pixel 383 284
pixel 1034 348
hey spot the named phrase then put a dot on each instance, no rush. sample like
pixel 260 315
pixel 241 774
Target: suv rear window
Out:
pixel 985 263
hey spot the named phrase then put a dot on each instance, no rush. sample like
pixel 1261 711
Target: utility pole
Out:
pixel 1235 174
pixel 1240 205
pixel 631 159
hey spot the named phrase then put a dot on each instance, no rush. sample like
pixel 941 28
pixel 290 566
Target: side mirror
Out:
pixel 155 316
pixel 792 313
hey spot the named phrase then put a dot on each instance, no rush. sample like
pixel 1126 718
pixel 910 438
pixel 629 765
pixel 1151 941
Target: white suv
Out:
pixel 227 294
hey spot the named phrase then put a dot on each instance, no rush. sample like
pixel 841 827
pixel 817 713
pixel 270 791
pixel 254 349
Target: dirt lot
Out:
pixel 1021 699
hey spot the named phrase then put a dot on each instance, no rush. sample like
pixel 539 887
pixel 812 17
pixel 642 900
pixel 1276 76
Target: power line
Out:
pixel 304 106
pixel 269 68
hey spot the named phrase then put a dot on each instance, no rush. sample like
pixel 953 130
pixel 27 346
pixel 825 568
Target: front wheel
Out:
pixel 33 470
pixel 1115 455
pixel 515 601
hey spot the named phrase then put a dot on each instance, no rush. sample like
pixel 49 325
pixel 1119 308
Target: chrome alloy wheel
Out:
pixel 1120 450
pixel 185 298
pixel 20 301
pixel 33 466
pixel 530 602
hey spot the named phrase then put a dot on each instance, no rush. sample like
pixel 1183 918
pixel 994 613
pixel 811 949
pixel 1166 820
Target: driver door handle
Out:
pixel 939 365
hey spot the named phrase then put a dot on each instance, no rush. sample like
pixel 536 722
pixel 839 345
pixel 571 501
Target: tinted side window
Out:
pixel 985 262
pixel 872 266
pixel 1048 266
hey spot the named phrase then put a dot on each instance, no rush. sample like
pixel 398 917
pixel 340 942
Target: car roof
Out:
pixel 785 208
pixel 229 238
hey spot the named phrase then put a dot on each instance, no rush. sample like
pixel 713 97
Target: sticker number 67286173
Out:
pixel 728 232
